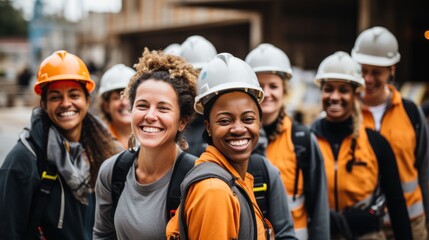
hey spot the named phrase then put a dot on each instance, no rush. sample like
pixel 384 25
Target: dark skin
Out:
pixel 234 128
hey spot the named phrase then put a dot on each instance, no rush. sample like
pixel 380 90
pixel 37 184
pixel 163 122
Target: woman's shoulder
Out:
pixel 20 157
pixel 106 168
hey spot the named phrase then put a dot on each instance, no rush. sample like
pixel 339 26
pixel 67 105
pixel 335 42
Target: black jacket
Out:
pixel 64 217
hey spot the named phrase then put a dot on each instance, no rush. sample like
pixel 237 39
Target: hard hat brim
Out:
pixel 89 83
pixel 375 60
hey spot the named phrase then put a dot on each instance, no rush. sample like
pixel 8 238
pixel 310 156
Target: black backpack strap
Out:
pixel 212 170
pixel 301 140
pixel 48 176
pixel 378 200
pixel 261 183
pixel 119 175
pixel 183 164
pixel 414 116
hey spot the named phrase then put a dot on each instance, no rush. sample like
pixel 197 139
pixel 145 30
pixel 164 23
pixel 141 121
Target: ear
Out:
pixel 207 127
pixel 43 105
pixel 183 123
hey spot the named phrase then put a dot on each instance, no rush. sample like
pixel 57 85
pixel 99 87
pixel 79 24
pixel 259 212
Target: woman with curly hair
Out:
pixel 161 95
pixel 50 174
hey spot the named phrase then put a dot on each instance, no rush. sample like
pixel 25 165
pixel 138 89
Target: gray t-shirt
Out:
pixel 140 213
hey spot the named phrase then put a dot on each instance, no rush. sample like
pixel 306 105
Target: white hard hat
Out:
pixel 117 77
pixel 268 58
pixel 376 46
pixel 225 72
pixel 173 49
pixel 339 67
pixel 198 51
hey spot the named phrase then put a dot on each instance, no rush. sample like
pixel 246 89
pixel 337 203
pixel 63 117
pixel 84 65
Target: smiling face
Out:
pixel 234 126
pixel 376 79
pixel 338 100
pixel 274 90
pixel 155 116
pixel 66 105
pixel 118 109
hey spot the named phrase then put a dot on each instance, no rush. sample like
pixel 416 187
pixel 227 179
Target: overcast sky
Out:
pixel 75 9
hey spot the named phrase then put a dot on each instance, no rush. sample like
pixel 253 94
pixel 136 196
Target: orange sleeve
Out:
pixel 212 211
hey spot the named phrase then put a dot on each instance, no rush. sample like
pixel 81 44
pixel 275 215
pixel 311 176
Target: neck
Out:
pixel 152 164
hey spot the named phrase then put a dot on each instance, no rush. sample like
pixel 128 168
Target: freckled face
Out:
pixel 155 116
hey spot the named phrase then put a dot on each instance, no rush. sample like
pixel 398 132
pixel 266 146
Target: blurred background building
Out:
pixel 306 30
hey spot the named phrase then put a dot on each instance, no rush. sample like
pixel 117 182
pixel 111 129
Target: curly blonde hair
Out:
pixel 171 69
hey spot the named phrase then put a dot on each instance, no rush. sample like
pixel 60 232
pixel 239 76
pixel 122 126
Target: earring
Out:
pixel 183 144
pixel 132 143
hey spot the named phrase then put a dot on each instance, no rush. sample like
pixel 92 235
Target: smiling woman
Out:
pixel 50 173
pixel 228 96
pixel 161 95
pixel 361 172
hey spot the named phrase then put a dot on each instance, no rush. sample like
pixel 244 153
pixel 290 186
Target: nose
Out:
pixel 267 91
pixel 66 102
pixel 368 78
pixel 335 95
pixel 238 128
pixel 151 114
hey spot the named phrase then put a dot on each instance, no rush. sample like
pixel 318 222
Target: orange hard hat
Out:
pixel 62 65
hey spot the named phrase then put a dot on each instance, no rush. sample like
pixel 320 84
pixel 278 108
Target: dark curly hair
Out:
pixel 95 138
pixel 173 70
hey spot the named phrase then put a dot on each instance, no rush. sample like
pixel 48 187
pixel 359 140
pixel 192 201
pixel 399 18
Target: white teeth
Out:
pixel 239 142
pixel 66 114
pixel 151 129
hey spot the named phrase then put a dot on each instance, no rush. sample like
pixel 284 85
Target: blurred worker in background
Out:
pixel 197 51
pixel 360 165
pixel 114 108
pixel 383 109
pixel 291 148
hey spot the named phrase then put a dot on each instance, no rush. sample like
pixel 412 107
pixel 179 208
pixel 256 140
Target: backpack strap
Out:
pixel 414 116
pixel 183 165
pixel 48 176
pixel 378 199
pixel 302 145
pixel 122 166
pixel 213 170
pixel 119 175
pixel 261 183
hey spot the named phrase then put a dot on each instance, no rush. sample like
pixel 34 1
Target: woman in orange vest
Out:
pixel 303 176
pixel 360 166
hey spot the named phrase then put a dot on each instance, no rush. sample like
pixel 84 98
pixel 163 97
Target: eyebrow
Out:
pixel 228 113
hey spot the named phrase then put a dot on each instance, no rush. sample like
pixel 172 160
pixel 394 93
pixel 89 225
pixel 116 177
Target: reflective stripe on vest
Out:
pixel 299 201
pixel 409 187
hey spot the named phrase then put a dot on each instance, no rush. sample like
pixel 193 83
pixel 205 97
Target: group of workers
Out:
pixel 193 144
